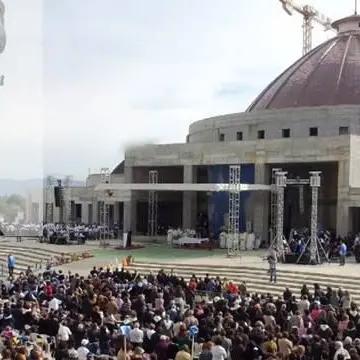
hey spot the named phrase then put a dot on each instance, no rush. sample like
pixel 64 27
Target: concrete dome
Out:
pixel 328 75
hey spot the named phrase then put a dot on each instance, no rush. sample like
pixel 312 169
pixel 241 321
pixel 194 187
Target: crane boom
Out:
pixel 309 15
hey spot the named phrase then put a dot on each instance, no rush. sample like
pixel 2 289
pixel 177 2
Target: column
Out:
pixel 56 214
pixel 116 212
pixel 342 209
pixel 189 199
pixel 95 211
pixel 130 212
pixel 261 203
pixel 84 212
pixel 90 220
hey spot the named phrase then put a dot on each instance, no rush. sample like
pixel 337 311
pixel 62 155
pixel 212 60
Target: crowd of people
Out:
pixel 128 316
pixel 65 233
pixel 61 233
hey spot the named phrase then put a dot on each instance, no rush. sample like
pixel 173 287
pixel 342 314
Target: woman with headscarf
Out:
pixel 341 351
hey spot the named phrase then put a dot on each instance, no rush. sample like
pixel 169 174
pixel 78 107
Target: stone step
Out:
pixel 295 276
pixel 257 280
pixel 200 267
pixel 25 256
pixel 34 249
pixel 29 255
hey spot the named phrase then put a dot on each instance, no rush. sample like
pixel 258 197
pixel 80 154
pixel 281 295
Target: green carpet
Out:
pixel 156 252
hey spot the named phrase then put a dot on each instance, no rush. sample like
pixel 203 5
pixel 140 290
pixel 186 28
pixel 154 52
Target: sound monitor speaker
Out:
pixel 57 196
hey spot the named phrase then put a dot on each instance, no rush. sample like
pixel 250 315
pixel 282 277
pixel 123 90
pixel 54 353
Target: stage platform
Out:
pixel 304 259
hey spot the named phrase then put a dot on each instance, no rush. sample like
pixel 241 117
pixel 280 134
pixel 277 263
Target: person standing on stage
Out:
pixel 11 264
pixel 272 259
pixel 342 253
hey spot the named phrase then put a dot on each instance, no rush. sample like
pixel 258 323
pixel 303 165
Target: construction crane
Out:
pixel 309 16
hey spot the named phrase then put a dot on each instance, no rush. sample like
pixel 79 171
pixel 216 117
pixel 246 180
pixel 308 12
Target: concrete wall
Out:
pixel 355 162
pixel 95 179
pixel 173 174
pixel 327 119
pixel 321 149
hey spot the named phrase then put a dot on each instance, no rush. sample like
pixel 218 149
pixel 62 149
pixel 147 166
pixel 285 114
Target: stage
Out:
pixel 304 260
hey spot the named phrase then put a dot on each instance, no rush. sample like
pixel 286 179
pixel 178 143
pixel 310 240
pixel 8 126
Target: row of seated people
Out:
pixel 63 233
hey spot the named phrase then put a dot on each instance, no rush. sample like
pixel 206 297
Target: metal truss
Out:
pixel 153 205
pixel 301 199
pixel 315 184
pixel 307 34
pixel 48 199
pixel 279 240
pixel 104 209
pixel 62 201
pixel 233 240
pixel 273 203
pixel 66 199
pixel 313 243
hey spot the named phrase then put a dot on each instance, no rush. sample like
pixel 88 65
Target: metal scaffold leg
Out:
pixel 313 244
pixel 279 241
pixel 153 206
pixel 48 200
pixel 307 34
pixel 104 210
pixel 67 199
pixel 62 202
pixel 233 235
pixel 273 203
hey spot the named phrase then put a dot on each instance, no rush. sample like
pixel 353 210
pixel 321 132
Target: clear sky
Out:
pixel 84 78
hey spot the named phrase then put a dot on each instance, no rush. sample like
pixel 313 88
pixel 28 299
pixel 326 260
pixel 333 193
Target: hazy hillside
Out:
pixel 20 187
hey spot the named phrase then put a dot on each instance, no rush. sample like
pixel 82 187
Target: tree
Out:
pixel 11 205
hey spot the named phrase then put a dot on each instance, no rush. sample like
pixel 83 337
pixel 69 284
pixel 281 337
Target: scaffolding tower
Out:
pixel 153 205
pixel 301 200
pixel 273 203
pixel 279 241
pixel 104 209
pixel 48 200
pixel 233 238
pixel 314 243
pixel 62 201
pixel 66 190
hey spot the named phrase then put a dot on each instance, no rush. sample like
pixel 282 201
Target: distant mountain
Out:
pixel 21 187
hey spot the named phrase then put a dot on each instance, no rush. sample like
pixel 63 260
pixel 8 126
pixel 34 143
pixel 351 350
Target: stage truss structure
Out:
pixel 67 182
pixel 301 200
pixel 279 241
pixel 153 205
pixel 233 235
pixel 66 199
pixel 62 201
pixel 273 202
pixel 48 199
pixel 104 209
pixel 313 243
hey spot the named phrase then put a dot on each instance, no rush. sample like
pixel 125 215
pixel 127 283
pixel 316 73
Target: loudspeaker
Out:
pixel 57 196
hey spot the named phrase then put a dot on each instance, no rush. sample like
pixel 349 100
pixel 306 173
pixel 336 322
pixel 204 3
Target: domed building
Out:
pixel 307 119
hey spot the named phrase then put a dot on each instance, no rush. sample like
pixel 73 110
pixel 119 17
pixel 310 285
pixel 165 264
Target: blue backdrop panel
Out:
pixel 218 203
